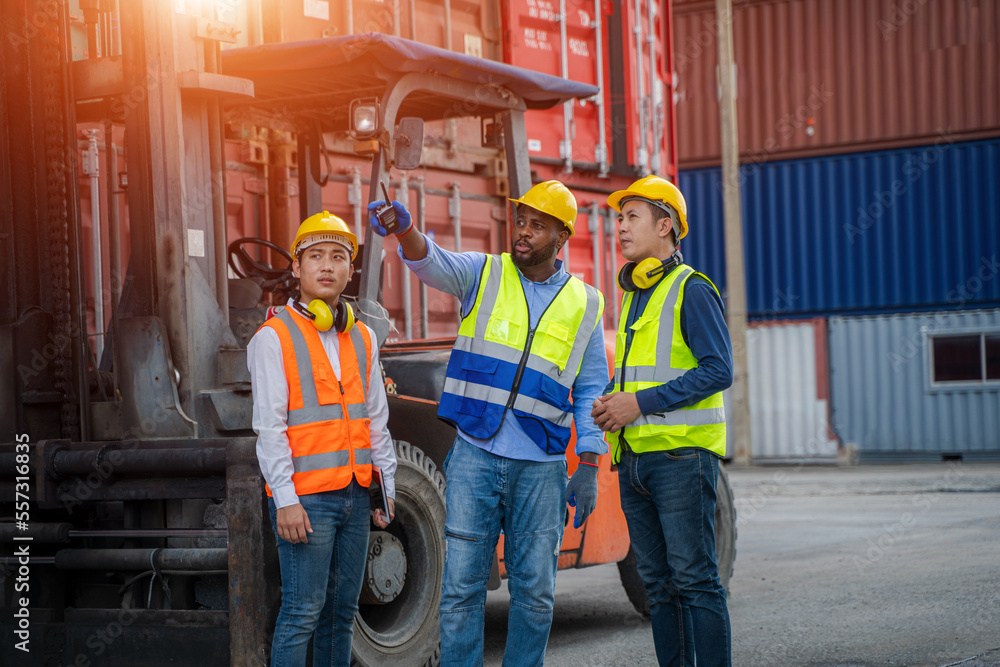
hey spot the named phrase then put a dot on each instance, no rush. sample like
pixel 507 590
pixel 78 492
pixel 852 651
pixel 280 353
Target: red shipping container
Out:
pixel 535 42
pixel 470 27
pixel 817 77
pixel 648 91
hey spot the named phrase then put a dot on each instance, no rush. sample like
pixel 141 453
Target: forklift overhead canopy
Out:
pixel 316 80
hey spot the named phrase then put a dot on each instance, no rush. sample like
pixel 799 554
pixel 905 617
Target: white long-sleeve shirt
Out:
pixel 270 412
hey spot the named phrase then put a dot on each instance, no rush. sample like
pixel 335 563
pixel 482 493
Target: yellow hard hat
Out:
pixel 554 198
pixel 657 191
pixel 324 228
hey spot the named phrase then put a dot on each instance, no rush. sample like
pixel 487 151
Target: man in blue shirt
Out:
pixel 665 419
pixel 530 338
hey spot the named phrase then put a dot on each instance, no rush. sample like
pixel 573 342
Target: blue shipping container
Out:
pixel 864 233
pixel 884 397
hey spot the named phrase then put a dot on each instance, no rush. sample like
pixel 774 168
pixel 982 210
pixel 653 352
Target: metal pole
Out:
pixel 515 139
pixel 116 49
pixel 609 229
pixel 735 273
pixel 151 532
pixel 114 244
pixel 670 130
pixel 217 167
pixel 91 17
pixel 138 158
pixel 310 193
pixel 354 199
pixel 91 167
pixel 594 226
pixel 141 559
pixel 247 587
pixel 254 32
pixel 372 265
pixel 403 197
pixel 601 151
pixel 566 145
pixel 447 25
pixel 642 157
pixel 422 228
pixel 159 462
pixel 653 115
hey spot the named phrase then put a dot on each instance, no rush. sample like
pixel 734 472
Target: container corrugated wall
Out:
pixel 472 27
pixel 789 409
pixel 882 399
pixel 884 231
pixel 533 42
pixel 822 76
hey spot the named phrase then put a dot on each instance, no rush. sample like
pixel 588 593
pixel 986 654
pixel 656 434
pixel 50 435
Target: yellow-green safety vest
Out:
pixel 500 363
pixel 657 355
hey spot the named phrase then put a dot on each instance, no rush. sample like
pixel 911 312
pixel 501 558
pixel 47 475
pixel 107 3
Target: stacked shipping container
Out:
pixel 837 76
pixel 857 233
pixel 465 207
pixel 596 146
pixel 869 171
pixel 868 138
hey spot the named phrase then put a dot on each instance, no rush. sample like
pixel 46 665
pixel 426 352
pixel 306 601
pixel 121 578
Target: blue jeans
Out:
pixel 321 579
pixel 669 504
pixel 526 499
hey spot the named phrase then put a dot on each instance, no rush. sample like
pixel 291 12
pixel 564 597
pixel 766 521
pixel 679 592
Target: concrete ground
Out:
pixel 861 566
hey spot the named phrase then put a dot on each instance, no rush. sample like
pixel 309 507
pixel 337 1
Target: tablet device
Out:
pixel 376 491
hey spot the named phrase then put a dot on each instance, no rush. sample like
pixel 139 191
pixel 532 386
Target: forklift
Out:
pixel 149 539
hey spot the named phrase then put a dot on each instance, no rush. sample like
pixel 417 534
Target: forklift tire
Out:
pixel 405 632
pixel 725 548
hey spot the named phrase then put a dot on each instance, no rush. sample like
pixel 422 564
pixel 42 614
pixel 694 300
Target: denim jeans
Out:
pixel 669 504
pixel 526 499
pixel 321 579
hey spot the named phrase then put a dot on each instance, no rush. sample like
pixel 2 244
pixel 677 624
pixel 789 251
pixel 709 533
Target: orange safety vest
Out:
pixel 328 422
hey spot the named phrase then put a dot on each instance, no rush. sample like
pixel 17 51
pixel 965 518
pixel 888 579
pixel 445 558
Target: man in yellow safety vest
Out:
pixel 665 420
pixel 527 365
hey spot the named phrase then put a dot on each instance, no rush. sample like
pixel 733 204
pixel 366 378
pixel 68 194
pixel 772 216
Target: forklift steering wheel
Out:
pixel 245 266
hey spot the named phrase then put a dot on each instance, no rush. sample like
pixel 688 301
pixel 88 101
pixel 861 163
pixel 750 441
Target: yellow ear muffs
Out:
pixel 643 275
pixel 625 278
pixel 323 318
pixel 343 317
pixel 319 312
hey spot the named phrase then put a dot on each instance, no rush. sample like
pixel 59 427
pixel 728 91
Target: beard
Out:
pixel 536 256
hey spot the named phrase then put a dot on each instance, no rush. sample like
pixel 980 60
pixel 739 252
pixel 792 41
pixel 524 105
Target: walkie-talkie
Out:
pixel 387 214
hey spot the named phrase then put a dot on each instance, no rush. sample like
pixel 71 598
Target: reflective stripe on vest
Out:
pixel 328 449
pixel 500 363
pixel 330 460
pixel 657 355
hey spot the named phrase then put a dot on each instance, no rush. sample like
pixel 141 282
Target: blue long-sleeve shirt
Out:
pixel 704 329
pixel 458 274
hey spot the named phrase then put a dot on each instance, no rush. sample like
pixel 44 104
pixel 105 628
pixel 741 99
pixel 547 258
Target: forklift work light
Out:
pixel 364 118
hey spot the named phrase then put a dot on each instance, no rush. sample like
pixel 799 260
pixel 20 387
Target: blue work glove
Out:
pixel 581 492
pixel 402 215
